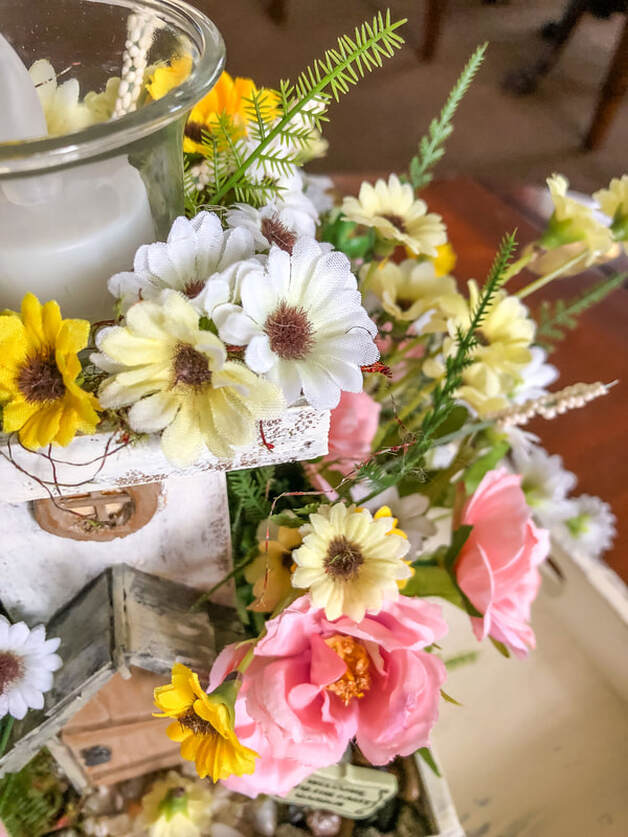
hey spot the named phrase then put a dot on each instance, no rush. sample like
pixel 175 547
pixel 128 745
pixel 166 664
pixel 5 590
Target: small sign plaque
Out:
pixel 348 790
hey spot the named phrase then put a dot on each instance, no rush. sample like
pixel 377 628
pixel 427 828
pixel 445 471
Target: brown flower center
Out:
pixel 396 220
pixel 356 681
pixel 199 726
pixel 289 331
pixel 343 558
pixel 190 366
pixel 405 304
pixel 10 669
pixel 40 380
pixel 195 131
pixel 277 233
pixel 193 288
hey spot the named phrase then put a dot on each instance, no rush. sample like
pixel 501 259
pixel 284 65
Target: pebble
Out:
pixel 287 830
pixel 323 823
pixel 263 816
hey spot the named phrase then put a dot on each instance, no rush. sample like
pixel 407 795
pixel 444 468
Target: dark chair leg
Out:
pixel 434 10
pixel 612 92
pixel 525 80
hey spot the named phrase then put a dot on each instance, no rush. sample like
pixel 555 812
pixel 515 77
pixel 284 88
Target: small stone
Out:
pixel 323 823
pixel 296 814
pixel 411 824
pixel 263 816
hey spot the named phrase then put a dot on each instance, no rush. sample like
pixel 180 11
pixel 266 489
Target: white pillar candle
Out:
pixel 63 234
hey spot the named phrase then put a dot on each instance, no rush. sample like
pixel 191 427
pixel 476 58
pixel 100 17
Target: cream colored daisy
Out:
pixel 349 562
pixel 573 221
pixel 393 211
pixel 503 349
pixel 411 290
pixel 176 378
pixel 614 203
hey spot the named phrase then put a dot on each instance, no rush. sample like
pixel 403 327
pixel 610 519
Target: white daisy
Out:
pixel 303 324
pixel 535 377
pixel 176 378
pixel 317 188
pixel 393 211
pixel 27 660
pixel 410 514
pixel 281 221
pixel 544 482
pixel 199 259
pixel 588 526
pixel 349 562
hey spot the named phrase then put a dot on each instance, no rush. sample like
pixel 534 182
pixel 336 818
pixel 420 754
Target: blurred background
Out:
pixel 497 134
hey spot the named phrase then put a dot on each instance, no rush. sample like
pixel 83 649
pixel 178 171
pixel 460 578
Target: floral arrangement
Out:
pixel 270 293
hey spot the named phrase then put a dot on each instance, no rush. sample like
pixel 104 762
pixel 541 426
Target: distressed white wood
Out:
pixel 539 747
pixel 187 540
pixel 439 800
pixel 300 433
pixel 123 618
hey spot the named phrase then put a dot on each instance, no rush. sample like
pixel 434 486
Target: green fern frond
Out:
pixel 303 102
pixel 431 148
pixel 250 491
pixel 555 319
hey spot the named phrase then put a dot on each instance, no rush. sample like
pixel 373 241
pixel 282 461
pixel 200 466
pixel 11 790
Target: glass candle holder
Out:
pixel 93 100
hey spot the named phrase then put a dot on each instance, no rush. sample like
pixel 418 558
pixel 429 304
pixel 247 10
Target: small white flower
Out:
pixel 199 259
pixel 393 211
pixel 535 377
pixel 282 220
pixel 317 188
pixel 588 526
pixel 410 513
pixel 303 324
pixel 544 482
pixel 349 562
pixel 27 660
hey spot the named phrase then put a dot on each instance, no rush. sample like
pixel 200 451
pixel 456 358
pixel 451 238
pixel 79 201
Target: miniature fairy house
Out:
pixel 110 545
pixel 124 622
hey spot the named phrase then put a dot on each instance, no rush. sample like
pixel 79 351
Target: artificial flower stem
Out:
pixel 517 266
pixel 6 732
pixel 205 596
pixel 545 280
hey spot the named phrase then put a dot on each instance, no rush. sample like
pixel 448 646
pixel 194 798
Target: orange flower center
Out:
pixel 356 681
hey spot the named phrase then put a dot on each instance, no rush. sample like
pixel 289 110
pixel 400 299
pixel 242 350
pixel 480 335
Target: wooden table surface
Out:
pixel 592 440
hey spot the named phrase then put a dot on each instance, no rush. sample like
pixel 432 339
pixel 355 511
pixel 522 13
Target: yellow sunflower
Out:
pixel 38 387
pixel 229 96
pixel 163 79
pixel 203 725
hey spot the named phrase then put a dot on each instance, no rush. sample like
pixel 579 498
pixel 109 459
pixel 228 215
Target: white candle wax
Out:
pixel 63 234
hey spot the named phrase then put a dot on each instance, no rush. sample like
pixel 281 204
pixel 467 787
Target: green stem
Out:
pixel 545 280
pixel 6 732
pixel 517 266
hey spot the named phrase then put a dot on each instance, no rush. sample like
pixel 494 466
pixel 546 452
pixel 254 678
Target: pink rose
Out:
pixel 497 566
pixel 313 685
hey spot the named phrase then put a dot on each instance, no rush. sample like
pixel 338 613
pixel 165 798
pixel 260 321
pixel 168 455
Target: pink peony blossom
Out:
pixel 497 566
pixel 313 685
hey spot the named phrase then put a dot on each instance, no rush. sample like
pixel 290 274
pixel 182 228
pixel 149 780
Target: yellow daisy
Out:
pixel 204 726
pixel 271 572
pixel 164 79
pixel 614 203
pixel 393 211
pixel 503 349
pixel 411 289
pixel 38 375
pixel 176 806
pixel 349 562
pixel 573 221
pixel 230 96
pixel 176 378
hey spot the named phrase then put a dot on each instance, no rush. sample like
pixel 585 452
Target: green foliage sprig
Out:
pixel 301 108
pixel 249 491
pixel 431 146
pixel 556 318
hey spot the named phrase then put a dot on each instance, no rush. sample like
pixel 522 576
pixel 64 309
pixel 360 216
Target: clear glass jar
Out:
pixel 75 205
